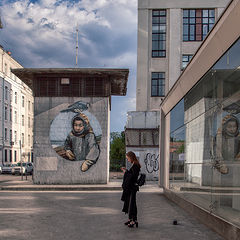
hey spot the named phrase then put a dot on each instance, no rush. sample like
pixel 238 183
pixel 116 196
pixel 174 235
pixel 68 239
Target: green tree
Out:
pixel 180 149
pixel 117 151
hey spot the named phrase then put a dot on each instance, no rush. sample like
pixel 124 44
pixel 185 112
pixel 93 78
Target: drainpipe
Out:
pixel 3 113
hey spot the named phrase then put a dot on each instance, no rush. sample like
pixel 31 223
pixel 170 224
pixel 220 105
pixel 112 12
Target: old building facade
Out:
pixel 16 114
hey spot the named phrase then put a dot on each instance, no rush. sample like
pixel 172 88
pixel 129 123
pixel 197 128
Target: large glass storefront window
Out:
pixel 205 140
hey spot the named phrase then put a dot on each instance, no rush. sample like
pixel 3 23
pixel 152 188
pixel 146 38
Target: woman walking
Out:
pixel 130 189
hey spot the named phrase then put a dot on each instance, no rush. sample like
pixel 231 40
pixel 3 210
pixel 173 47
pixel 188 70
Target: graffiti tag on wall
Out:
pixel 151 162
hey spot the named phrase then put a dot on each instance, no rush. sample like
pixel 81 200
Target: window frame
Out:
pixel 158 85
pixel 23 101
pixel 159 21
pixel 194 21
pixel 189 56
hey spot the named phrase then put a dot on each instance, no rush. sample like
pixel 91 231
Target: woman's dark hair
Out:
pixel 133 158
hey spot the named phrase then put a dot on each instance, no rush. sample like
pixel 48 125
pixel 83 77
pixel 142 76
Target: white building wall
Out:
pixel 142 74
pixel 174 52
pixel 15 85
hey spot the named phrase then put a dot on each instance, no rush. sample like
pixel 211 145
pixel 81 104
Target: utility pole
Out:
pixel 20 143
pixel 1 25
pixel 77 46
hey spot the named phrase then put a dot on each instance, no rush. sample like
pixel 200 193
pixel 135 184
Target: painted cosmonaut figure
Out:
pixel 80 144
pixel 227 143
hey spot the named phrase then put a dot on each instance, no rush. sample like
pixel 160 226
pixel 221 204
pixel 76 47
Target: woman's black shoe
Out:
pixel 131 224
pixel 126 223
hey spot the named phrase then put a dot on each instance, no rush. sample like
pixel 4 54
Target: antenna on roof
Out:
pixel 1 25
pixel 77 46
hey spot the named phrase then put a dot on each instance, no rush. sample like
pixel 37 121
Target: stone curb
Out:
pixel 59 188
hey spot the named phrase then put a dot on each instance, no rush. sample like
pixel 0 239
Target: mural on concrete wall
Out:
pixel 75 135
pixel 226 146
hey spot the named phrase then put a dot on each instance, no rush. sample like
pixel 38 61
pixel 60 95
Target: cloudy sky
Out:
pixel 42 33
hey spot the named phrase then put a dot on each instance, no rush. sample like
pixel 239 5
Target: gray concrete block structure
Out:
pixel 72 122
pixel 52 168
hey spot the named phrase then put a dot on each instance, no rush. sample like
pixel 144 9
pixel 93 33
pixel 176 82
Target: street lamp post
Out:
pixel 21 159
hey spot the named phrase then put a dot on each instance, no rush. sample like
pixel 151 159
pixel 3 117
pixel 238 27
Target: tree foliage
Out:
pixel 117 151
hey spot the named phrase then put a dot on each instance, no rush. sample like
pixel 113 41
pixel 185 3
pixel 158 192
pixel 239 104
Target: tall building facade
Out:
pixel 16 114
pixel 169 33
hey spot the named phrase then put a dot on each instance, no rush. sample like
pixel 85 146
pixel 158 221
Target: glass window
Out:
pixel 23 101
pixel 212 13
pixel 192 20
pixel 185 30
pixel 22 139
pixel 6 69
pixel 5 134
pixel 6 155
pixel 6 93
pixel 5 113
pixel 205 13
pixel 158 33
pixel 22 120
pixel 10 135
pixel 10 155
pixel 15 137
pixel 197 23
pixel 205 20
pixel 10 114
pixel 192 13
pixel 185 13
pixel 205 139
pixel 15 115
pixel 16 97
pixel 185 60
pixel 158 84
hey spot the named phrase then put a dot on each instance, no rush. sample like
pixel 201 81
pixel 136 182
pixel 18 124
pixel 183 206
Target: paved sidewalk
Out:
pixel 90 212
pixel 94 215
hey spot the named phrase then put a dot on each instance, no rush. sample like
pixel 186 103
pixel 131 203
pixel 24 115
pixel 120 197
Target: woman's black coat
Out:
pixel 129 185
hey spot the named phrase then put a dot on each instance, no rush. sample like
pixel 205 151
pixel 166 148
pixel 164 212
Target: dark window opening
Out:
pixel 159 33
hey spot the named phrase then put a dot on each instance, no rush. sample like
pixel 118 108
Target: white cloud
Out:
pixel 43 33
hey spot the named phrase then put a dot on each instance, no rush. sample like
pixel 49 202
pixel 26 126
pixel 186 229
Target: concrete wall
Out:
pixel 51 167
pixel 143 119
pixel 149 160
pixel 148 156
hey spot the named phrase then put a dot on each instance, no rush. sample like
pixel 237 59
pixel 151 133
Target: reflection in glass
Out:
pixel 177 154
pixel 205 139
